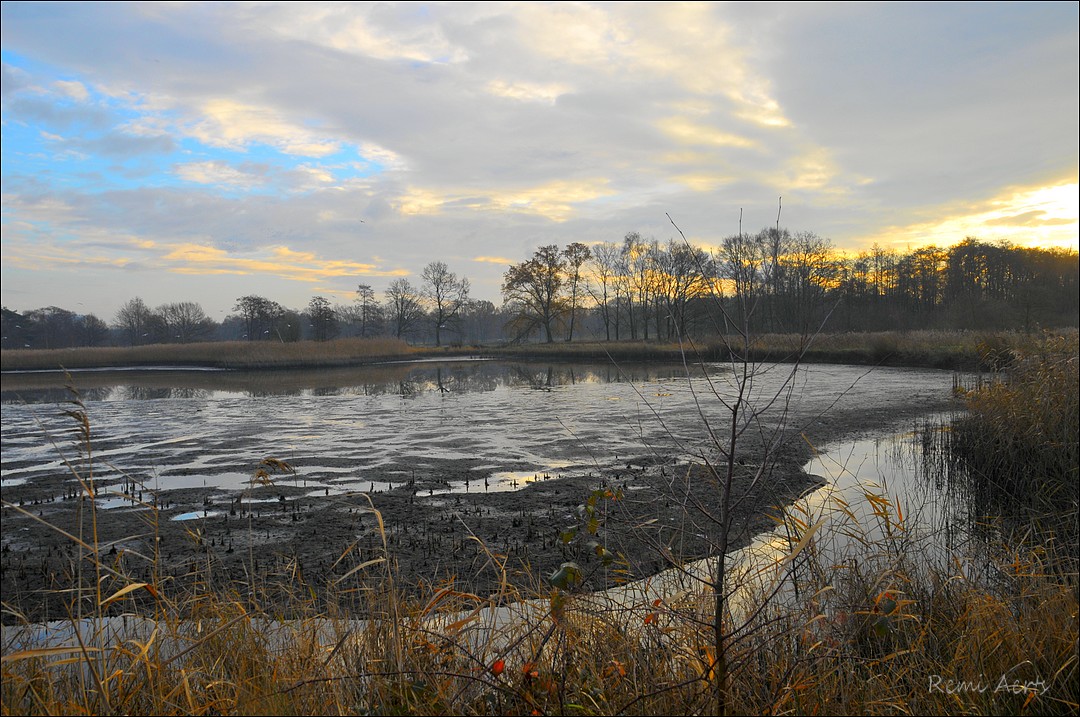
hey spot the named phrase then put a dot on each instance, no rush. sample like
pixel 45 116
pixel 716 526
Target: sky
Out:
pixel 206 151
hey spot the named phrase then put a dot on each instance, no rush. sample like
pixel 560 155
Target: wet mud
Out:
pixel 480 486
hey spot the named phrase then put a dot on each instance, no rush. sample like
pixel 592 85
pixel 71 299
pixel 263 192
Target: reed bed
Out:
pixel 225 354
pixel 956 350
pixel 1018 445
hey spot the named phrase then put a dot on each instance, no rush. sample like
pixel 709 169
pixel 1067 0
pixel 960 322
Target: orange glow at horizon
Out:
pixel 1044 216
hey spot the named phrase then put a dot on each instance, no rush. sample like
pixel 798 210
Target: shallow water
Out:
pixel 500 425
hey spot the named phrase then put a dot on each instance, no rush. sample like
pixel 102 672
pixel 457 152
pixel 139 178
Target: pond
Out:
pixel 503 451
pixel 372 427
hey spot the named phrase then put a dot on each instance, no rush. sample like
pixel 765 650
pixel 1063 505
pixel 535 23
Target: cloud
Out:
pixel 73 89
pixel 384 32
pixel 235 125
pixel 527 91
pixel 119 144
pixel 12 79
pixel 1032 216
pixel 279 261
pixel 687 132
pixel 43 110
pixel 702 181
pixel 191 258
pixel 556 201
pixel 501 260
pixel 461 131
pixel 218 173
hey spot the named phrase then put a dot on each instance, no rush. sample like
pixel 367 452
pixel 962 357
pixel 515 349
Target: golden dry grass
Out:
pixel 961 350
pixel 226 354
pixel 895 639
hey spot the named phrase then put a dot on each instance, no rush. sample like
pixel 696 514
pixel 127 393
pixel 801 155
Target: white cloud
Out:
pixel 235 125
pixel 384 32
pixel 218 173
pixel 74 90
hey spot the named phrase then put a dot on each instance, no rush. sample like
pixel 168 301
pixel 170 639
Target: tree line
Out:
pixel 639 289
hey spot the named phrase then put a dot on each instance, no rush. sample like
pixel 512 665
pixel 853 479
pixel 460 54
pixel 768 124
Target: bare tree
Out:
pixel 94 331
pixel 324 324
pixel 259 315
pixel 53 327
pixel 683 275
pixel 185 321
pixel 604 290
pixel 447 295
pixel 576 255
pixel 134 319
pixel 403 307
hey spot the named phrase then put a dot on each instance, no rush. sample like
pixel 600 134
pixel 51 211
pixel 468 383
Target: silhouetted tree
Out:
pixel 447 295
pixel 185 321
pixel 259 315
pixel 533 291
pixel 403 307
pixel 134 320
pixel 323 321
pixel 576 254
pixel 369 314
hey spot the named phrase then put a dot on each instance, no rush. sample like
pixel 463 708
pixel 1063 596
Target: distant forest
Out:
pixel 775 281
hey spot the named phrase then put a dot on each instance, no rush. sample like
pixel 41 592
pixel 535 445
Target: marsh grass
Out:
pixel 955 350
pixel 1018 444
pixel 225 354
pixel 877 623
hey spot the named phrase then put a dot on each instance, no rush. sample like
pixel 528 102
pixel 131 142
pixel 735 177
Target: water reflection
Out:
pixel 892 505
pixel 454 426
pixel 406 380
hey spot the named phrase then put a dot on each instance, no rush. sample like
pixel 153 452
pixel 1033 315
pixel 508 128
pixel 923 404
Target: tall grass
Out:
pixel 957 350
pixel 1019 441
pixel 225 354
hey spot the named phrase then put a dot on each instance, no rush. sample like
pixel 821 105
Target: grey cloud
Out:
pixel 11 80
pixel 57 116
pixel 122 145
pixel 888 88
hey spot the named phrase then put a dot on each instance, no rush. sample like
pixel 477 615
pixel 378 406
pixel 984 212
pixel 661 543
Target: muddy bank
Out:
pixel 652 511
pixel 478 472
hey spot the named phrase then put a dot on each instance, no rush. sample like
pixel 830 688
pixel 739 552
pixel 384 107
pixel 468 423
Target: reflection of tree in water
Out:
pixel 380 388
pixel 477 378
pixel 268 393
pixel 189 392
pixel 401 380
pixel 146 393
pixel 53 395
pixel 531 376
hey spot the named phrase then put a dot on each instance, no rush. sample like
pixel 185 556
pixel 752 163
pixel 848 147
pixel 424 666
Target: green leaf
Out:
pixel 566 576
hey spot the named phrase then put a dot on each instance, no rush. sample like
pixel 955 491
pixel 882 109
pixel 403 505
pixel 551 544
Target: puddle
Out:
pixel 197 514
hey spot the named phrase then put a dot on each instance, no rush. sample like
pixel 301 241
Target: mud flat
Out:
pixel 489 500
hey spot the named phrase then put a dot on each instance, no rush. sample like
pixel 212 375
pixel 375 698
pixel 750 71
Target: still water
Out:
pixel 498 425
